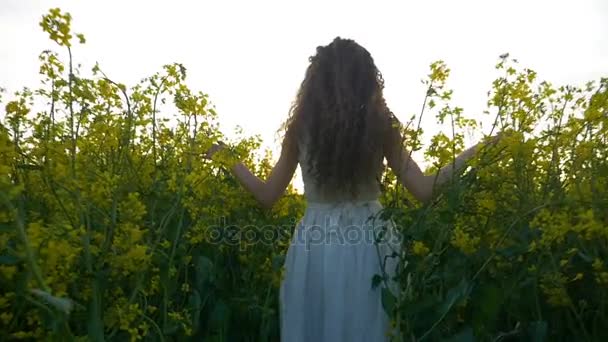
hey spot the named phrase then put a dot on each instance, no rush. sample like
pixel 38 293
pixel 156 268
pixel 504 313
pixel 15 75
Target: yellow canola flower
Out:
pixel 553 287
pixel 420 249
pixel 464 241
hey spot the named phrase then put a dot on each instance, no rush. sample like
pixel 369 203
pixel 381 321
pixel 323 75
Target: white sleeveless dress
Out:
pixel 326 293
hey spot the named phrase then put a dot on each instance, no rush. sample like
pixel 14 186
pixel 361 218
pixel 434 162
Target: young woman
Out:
pixel 339 131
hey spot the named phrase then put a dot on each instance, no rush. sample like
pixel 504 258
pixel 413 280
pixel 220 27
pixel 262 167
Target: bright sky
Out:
pixel 250 56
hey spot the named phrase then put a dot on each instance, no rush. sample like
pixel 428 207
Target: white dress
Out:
pixel 326 293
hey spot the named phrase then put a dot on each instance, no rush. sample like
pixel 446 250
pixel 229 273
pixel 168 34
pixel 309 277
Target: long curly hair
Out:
pixel 341 115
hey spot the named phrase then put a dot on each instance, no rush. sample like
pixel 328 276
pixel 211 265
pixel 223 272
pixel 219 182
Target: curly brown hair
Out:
pixel 340 109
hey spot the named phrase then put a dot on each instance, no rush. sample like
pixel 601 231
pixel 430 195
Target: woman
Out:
pixel 339 131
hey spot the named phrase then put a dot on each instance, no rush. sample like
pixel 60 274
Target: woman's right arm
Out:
pixel 409 173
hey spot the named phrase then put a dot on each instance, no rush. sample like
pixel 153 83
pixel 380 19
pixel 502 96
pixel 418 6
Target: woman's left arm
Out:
pixel 268 191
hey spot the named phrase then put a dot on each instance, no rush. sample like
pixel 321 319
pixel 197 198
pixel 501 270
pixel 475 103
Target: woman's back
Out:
pixel 366 189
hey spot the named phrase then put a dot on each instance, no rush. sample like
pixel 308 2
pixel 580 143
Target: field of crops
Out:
pixel 113 226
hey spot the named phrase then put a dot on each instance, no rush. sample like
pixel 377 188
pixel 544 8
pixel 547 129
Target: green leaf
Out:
pixel 195 306
pixel 203 272
pixel 388 300
pixel 420 307
pixel 171 329
pixel 8 260
pixel 277 262
pixel 487 301
pixel 220 316
pixel 6 227
pixel 95 323
pixel 538 331
pixel 454 295
pixel 490 301
pixel 512 251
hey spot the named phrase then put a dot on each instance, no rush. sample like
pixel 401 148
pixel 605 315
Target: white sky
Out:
pixel 250 56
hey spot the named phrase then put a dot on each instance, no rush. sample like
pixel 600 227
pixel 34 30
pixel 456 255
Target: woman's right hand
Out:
pixel 497 137
pixel 493 139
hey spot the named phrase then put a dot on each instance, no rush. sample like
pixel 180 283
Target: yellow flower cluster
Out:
pixel 466 242
pixel 553 286
pixel 601 275
pixel 420 249
pixel 553 226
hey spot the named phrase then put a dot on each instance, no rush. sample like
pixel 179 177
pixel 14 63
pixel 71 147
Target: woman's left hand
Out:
pixel 213 149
